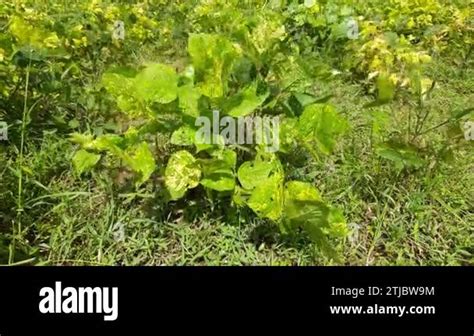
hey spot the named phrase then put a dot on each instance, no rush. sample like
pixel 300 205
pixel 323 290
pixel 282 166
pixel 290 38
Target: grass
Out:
pixel 421 217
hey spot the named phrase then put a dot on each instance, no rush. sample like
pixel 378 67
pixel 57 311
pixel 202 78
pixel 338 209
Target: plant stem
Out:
pixel 19 203
pixel 436 127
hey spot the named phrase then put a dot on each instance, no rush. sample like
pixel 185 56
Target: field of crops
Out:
pixel 226 132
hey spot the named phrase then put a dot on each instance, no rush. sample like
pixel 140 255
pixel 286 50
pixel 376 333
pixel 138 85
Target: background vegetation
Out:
pixel 374 167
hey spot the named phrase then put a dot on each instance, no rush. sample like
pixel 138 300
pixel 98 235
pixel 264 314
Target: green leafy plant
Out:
pixel 169 103
pixel 132 106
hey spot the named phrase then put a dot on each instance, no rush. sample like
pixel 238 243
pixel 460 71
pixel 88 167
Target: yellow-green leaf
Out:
pixel 181 173
pixel 84 161
pixel 157 83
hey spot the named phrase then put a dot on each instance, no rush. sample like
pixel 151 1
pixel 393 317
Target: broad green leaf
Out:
pixel 337 223
pixel 85 140
pixel 221 181
pixel 109 142
pixel 218 172
pixel 321 125
pixel 267 198
pixel 157 83
pixel 218 142
pixel 189 100
pixel 243 71
pixel 308 214
pixel 226 155
pixel 246 102
pixel 217 175
pixel 212 57
pixel 264 179
pixel 84 161
pixel 117 84
pixel 298 101
pixel 182 173
pixel 301 191
pixel 303 204
pixel 131 136
pixel 252 173
pixel 183 136
pixel 240 196
pixel 291 75
pixel 141 161
pixel 203 147
pixel 305 208
pixel 288 134
pixel 266 33
pixel 122 89
pixel 304 99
